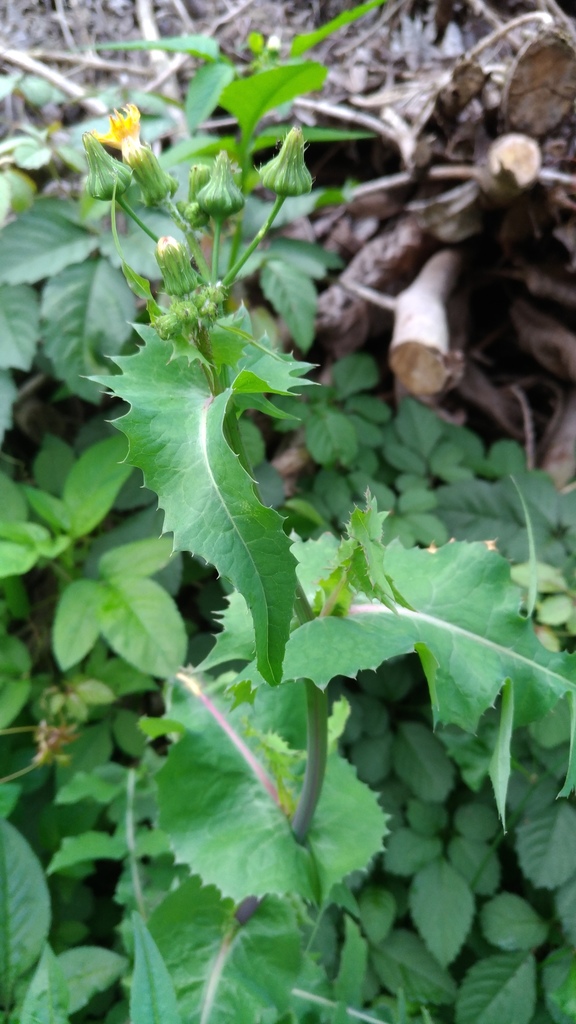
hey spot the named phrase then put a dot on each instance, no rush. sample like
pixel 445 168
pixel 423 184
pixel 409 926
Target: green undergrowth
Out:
pixel 316 764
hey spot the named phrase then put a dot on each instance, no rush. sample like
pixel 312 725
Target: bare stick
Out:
pixel 419 353
pixel 36 67
pixel 512 167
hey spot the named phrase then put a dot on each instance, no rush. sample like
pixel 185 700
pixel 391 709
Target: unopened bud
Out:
pixel 174 262
pixel 198 177
pixel 287 174
pixel 221 197
pixel 155 184
pixel 104 172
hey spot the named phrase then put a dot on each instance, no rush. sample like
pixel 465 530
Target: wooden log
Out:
pixel 512 166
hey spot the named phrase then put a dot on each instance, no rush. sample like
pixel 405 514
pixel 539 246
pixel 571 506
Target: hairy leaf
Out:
pixel 175 429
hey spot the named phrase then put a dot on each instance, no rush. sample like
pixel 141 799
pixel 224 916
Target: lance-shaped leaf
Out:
pixel 47 999
pixel 175 429
pixel 466 616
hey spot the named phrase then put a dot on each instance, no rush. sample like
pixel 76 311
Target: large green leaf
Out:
pixel 76 625
pixel 545 843
pixel 175 429
pixel 402 962
pixel 152 996
pixel 142 624
pixel 228 819
pixel 47 998
pixel 86 314
pixel 42 242
pixel 93 483
pixel 24 909
pixel 510 923
pixel 498 988
pixel 258 963
pixel 301 43
pixel 204 92
pixel 248 99
pixel 19 326
pixel 442 908
pixel 466 615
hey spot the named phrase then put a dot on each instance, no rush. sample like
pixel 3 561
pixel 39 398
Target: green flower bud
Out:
pixel 103 170
pixel 174 262
pixel 221 197
pixel 199 176
pixel 155 184
pixel 287 174
pixel 195 215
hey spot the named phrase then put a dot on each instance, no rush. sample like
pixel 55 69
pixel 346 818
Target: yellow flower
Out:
pixel 124 131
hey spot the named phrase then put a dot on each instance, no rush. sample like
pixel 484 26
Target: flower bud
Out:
pixel 155 184
pixel 174 262
pixel 104 172
pixel 195 216
pixel 198 177
pixel 287 174
pixel 221 197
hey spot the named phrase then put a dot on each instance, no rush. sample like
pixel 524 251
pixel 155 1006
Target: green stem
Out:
pixel 233 272
pixel 317 748
pixel 216 249
pixel 131 843
pixel 131 213
pixel 193 243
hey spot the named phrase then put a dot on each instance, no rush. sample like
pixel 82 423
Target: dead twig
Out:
pixel 35 67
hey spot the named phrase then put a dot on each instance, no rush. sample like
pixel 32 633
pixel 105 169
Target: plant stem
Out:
pixel 193 243
pixel 131 213
pixel 233 272
pixel 216 249
pixel 317 748
pixel 131 843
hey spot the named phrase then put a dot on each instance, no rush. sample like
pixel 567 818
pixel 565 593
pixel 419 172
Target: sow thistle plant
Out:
pixel 268 843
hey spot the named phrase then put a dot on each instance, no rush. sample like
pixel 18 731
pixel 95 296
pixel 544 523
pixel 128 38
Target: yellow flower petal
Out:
pixel 124 128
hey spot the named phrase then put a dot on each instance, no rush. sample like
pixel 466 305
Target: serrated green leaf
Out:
pixel 152 996
pixel 248 99
pixel 236 640
pixel 86 314
pixel 498 988
pixel 545 843
pixel 138 559
pixel 442 909
pixel 89 970
pixel 76 626
pixel 477 863
pixel 87 846
pixel 204 92
pixel 42 242
pixel 8 395
pixel 208 498
pixel 19 326
pixel 467 615
pixel 274 372
pixel 142 624
pixel 24 909
pixel 93 483
pixel 421 762
pixel 377 912
pixel 293 295
pixel 509 922
pixel 354 373
pixel 259 967
pixel 402 963
pixel 47 998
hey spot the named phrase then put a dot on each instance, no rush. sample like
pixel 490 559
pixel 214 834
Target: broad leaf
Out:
pixel 138 559
pixel 86 847
pixel 76 625
pixel 402 963
pixel 196 45
pixel 142 624
pixel 24 909
pixel 152 996
pixel 293 296
pixel 47 998
pixel 407 851
pixel 466 614
pixel 86 313
pixel 42 242
pixel 89 970
pixel 545 843
pixel 259 962
pixel 301 43
pixel 442 908
pixel 93 483
pixel 248 99
pixel 204 92
pixel 177 440
pixel 19 326
pixel 510 923
pixel 498 988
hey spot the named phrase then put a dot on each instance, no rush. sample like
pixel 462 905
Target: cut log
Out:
pixel 512 167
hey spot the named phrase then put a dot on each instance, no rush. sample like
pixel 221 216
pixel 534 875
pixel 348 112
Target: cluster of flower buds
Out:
pixel 187 315
pixel 155 184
